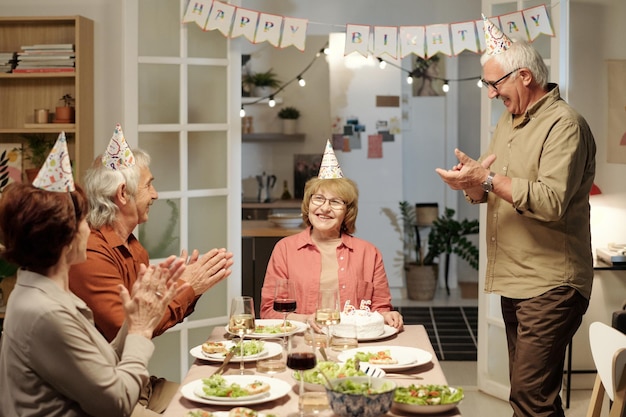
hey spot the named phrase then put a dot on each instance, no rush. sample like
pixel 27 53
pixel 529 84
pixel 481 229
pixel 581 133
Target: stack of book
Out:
pixel 7 61
pixel 46 58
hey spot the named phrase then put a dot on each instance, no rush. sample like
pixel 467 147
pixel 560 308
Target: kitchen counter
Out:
pixel 264 228
pixel 273 205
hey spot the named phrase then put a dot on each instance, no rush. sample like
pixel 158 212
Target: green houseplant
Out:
pixel 65 113
pixel 289 116
pixel 262 83
pixel 38 146
pixel 447 236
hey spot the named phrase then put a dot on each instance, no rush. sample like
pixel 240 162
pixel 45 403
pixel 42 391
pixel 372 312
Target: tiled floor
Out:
pixel 463 373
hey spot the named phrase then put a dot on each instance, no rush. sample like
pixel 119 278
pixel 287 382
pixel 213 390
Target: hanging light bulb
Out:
pixel 242 112
pixel 446 86
pixel 271 101
pixel 409 79
pixel 381 64
pixel 301 81
pixel 479 83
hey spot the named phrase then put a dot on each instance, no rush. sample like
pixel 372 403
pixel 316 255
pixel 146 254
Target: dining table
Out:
pixel 413 336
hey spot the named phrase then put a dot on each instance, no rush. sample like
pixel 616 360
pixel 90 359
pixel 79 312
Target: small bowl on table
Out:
pixel 286 220
pixel 361 403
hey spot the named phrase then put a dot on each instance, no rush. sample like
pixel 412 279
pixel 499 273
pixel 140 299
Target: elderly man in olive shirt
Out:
pixel 535 178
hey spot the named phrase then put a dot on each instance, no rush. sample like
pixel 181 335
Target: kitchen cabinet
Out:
pixel 22 93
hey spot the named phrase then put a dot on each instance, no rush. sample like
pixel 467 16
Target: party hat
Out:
pixel 496 42
pixel 56 173
pixel 330 166
pixel 118 153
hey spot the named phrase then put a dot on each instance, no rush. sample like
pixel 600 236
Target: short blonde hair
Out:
pixel 343 188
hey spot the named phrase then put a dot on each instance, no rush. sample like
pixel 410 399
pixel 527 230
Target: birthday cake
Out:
pixel 369 324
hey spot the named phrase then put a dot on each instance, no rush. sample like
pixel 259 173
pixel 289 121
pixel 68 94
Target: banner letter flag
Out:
pixel 537 22
pixel 294 33
pixel 438 39
pixel 244 23
pixel 386 41
pixel 480 29
pixel 464 37
pixel 269 29
pixel 357 39
pixel 198 11
pixel 513 26
pixel 221 17
pixel 411 40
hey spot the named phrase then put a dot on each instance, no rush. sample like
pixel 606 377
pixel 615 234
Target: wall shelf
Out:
pixel 272 137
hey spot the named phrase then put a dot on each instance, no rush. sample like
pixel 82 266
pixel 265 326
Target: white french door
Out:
pixel 493 371
pixel 178 107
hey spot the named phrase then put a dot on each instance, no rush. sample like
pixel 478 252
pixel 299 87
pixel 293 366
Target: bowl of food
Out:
pixel 315 381
pixel 286 220
pixel 361 396
pixel 427 399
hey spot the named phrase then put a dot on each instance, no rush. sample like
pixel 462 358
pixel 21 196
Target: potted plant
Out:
pixel 289 116
pixel 262 83
pixel 446 236
pixel 38 146
pixel 65 113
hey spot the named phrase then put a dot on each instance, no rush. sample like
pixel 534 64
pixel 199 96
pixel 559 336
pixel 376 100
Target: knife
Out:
pixel 222 368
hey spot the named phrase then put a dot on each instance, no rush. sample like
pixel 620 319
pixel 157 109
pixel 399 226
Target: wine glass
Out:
pixel 241 322
pixel 327 312
pixel 284 301
pixel 301 358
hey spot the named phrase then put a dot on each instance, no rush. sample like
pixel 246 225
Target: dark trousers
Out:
pixel 538 331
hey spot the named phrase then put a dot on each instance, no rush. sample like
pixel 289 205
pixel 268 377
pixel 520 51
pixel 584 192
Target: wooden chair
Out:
pixel 608 348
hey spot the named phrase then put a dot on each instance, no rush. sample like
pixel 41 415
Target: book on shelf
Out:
pixel 63 46
pixel 43 69
pixel 33 64
pixel 21 57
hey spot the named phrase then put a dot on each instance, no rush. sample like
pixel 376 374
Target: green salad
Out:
pixel 360 388
pixel 332 370
pixel 250 348
pixel 274 329
pixel 216 386
pixel 428 394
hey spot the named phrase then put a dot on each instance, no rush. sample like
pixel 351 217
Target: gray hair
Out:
pixel 101 184
pixel 521 55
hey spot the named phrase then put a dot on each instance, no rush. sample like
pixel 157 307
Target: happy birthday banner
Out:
pixel 424 41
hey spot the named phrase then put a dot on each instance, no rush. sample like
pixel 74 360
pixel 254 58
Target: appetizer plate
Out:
pixel 425 409
pixel 278 389
pixel 407 357
pixel 222 413
pixel 270 349
pixel 299 327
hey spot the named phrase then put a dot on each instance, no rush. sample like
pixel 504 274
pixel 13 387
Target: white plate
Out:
pixel 407 357
pixel 278 389
pixel 300 327
pixel 270 349
pixel 389 331
pixel 425 409
pixel 222 413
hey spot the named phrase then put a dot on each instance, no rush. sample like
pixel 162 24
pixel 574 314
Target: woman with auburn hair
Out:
pixel 53 361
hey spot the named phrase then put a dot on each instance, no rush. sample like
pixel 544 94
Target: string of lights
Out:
pixel 299 78
pixel 419 73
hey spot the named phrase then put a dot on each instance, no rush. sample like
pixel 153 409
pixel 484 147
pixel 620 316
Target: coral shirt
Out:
pixel 361 273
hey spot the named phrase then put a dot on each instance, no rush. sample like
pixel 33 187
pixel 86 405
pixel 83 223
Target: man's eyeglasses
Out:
pixel 334 203
pixel 494 84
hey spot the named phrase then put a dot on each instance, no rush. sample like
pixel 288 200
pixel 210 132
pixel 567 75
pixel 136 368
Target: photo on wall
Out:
pixel 305 167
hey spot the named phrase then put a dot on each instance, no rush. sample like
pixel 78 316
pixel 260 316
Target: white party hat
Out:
pixel 496 42
pixel 56 173
pixel 118 153
pixel 330 166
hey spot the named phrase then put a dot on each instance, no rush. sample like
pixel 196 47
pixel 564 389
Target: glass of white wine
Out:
pixel 327 312
pixel 241 322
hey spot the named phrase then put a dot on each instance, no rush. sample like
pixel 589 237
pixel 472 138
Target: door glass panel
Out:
pixel 207 89
pixel 213 303
pixel 159 93
pixel 164 361
pixel 163 148
pixel 161 234
pixel 208 162
pixel 156 18
pixel 202 44
pixel 208 229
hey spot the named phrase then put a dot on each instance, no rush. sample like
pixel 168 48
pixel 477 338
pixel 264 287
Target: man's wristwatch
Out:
pixel 488 183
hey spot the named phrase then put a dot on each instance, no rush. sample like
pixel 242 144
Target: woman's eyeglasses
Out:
pixel 494 84
pixel 334 203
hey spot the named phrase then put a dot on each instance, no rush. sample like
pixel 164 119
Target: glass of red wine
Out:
pixel 301 358
pixel 284 301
